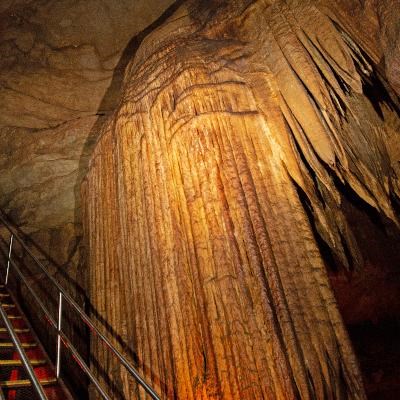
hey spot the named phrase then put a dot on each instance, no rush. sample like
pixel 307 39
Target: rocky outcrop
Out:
pixel 308 70
pixel 61 68
pixel 60 71
pixel 240 123
pixel 375 26
pixel 389 17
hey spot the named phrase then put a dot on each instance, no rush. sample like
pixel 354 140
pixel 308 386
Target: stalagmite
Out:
pixel 235 117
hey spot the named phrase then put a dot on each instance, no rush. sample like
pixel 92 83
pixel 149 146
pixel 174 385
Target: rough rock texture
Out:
pixel 375 26
pixel 58 57
pixel 240 122
pixel 61 67
pixel 388 16
pixel 59 70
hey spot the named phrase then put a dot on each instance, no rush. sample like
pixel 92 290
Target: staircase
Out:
pixel 14 380
pixel 25 370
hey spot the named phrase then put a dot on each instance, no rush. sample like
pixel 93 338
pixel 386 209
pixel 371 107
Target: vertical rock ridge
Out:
pixel 201 236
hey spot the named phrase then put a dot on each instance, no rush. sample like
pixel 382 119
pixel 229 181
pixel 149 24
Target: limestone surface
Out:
pixel 60 70
pixel 242 127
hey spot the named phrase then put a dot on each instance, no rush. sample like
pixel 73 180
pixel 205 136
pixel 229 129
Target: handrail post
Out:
pixel 59 321
pixel 9 257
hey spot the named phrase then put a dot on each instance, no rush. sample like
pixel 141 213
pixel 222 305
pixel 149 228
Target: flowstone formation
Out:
pixel 239 130
pixel 240 126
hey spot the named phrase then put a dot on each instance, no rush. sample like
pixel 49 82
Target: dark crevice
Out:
pixel 374 84
pixel 348 254
pixel 377 93
pixel 313 395
pixel 343 85
pixel 378 350
pixel 395 203
pixel 354 199
pixel 326 252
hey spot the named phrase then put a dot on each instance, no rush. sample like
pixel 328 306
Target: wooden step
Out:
pixel 10 345
pixel 6 305
pixel 16 330
pixel 26 383
pixel 14 317
pixel 18 363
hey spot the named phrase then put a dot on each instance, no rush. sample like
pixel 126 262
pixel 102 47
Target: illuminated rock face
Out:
pixel 234 118
pixel 60 71
pixel 61 65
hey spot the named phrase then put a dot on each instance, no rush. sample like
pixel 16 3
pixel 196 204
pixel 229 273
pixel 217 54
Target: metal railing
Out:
pixel 22 355
pixel 57 324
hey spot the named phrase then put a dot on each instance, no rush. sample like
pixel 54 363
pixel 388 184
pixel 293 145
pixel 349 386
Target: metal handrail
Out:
pixel 63 294
pixel 24 358
pixel 63 337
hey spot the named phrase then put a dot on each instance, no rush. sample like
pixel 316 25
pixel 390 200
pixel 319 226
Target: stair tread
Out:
pixel 10 344
pixel 16 363
pixel 26 382
pixel 17 330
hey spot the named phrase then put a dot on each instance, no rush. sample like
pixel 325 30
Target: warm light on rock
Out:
pixel 217 184
pixel 195 225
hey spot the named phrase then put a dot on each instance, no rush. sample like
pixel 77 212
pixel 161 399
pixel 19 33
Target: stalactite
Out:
pixel 202 256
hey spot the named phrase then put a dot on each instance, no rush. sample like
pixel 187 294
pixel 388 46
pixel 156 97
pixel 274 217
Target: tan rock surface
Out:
pixel 235 119
pixel 61 66
pixel 57 74
pixel 60 70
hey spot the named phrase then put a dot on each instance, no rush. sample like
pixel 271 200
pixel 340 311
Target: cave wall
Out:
pixel 60 72
pixel 61 68
pixel 240 129
pixel 374 24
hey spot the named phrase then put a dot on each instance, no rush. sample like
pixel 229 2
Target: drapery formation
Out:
pixel 235 118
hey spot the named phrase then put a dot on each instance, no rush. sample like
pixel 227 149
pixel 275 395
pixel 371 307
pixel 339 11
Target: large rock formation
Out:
pixel 61 67
pixel 298 70
pixel 60 70
pixel 241 127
